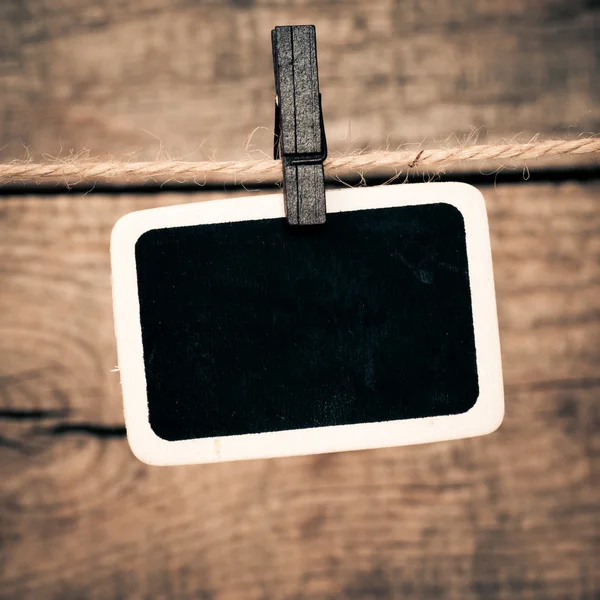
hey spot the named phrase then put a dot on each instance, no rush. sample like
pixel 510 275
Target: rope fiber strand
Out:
pixel 68 173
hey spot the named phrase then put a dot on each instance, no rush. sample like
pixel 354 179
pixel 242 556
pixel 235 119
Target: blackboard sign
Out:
pixel 241 336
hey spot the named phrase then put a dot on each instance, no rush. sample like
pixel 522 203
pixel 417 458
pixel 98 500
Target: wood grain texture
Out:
pixel 511 515
pixel 102 74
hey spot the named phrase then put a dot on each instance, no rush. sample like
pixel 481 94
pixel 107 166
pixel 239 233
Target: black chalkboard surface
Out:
pixel 258 326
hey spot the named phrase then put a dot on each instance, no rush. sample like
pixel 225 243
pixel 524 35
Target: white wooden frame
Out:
pixel 484 417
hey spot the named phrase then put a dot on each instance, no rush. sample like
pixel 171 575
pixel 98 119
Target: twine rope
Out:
pixel 65 172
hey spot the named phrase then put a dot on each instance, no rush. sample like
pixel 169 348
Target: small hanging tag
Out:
pixel 240 336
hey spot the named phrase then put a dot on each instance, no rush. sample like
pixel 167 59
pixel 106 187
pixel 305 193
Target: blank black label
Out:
pixel 258 326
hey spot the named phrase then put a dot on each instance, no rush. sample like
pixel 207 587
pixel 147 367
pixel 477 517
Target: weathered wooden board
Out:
pixel 511 515
pixel 117 76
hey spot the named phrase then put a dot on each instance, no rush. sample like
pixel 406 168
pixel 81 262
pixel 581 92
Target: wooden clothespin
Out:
pixel 299 130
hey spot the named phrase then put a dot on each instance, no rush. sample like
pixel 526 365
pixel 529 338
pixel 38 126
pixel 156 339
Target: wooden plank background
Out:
pixel 116 76
pixel 511 515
